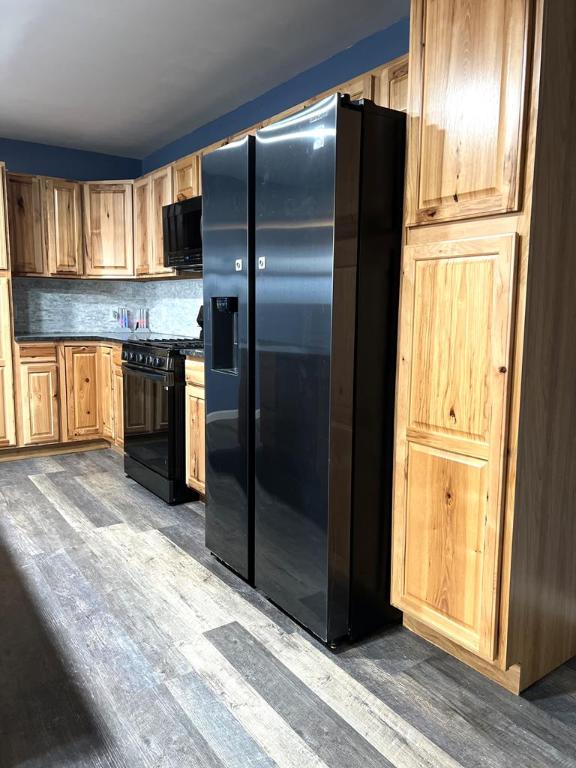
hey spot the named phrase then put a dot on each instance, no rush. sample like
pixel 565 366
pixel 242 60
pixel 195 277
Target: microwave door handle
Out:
pixel 180 238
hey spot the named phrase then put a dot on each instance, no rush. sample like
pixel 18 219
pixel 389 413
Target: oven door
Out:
pixel 148 418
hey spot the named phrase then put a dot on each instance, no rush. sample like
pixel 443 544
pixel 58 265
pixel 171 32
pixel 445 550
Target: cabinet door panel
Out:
pixel 118 397
pixel 160 195
pixel 105 391
pixel 186 177
pixel 25 224
pixel 40 407
pixel 195 440
pixel 108 229
pixel 142 236
pixel 7 416
pixel 456 317
pixel 63 226
pixel 4 262
pixel 82 392
pixel 467 107
pixel 393 86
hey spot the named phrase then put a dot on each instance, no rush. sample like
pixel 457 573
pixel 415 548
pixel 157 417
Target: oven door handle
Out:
pixel 165 378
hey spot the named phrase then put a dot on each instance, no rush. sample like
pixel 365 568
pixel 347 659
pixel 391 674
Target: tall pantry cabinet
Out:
pixel 7 420
pixel 485 449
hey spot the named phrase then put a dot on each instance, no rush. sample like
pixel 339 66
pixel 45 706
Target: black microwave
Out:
pixel 182 229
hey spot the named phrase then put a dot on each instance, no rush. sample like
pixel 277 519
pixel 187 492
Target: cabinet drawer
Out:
pixel 37 353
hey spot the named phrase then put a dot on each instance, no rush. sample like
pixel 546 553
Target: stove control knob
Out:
pixel 158 362
pixel 131 355
pixel 140 357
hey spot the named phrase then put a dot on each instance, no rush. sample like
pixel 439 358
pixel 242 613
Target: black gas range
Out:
pixel 154 414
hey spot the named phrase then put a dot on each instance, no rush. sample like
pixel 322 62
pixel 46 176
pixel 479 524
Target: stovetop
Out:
pixel 159 353
pixel 175 345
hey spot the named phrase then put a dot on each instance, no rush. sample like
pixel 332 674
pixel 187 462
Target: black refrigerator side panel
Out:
pixel 295 179
pixel 348 153
pixel 228 263
pixel 379 258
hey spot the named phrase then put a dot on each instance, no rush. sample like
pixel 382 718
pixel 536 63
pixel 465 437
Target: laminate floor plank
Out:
pixel 125 644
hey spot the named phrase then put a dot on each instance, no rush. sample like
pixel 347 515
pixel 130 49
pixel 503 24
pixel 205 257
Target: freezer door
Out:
pixel 295 232
pixel 227 247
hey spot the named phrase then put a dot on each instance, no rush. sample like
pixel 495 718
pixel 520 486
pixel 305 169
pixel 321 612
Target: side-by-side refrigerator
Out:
pixel 301 251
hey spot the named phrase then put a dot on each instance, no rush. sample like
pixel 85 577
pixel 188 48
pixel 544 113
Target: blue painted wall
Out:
pixel 367 54
pixel 47 160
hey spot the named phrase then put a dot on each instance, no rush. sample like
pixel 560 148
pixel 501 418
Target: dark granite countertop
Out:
pixel 117 337
pixel 112 336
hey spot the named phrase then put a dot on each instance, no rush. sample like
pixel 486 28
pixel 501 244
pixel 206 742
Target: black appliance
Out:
pixel 302 237
pixel 154 415
pixel 182 230
pixel 200 321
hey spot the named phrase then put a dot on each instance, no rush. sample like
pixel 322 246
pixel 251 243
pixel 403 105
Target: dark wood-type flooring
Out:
pixel 123 642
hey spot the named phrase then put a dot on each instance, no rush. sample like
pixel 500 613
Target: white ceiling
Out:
pixel 128 76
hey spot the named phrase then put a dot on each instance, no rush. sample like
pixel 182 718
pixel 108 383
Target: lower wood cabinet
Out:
pixel 195 426
pixel 40 403
pixel 454 357
pixel 105 387
pixel 82 406
pixel 7 421
pixel 118 404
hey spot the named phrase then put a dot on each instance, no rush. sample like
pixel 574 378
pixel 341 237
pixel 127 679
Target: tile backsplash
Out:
pixel 54 305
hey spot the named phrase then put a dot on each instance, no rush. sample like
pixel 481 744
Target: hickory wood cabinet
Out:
pixel 7 420
pixel 7 412
pixel 151 193
pixel 63 228
pixel 195 426
pixel 62 224
pixel 106 391
pixel 82 391
pixel 469 69
pixel 69 392
pixel 39 400
pixel 25 224
pixel 108 235
pixel 187 177
pixel 483 523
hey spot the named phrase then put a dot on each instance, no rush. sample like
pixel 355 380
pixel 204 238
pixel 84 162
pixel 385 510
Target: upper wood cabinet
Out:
pixel 62 206
pixel 151 193
pixel 467 84
pixel 40 403
pixel 186 177
pixel 108 241
pixel 25 224
pixel 393 85
pixel 82 391
pixel 4 260
pixel 142 235
pixel 161 194
pixel 454 357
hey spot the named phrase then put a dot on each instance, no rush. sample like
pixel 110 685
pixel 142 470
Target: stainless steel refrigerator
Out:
pixel 301 251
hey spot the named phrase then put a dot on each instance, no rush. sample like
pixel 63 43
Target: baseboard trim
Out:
pixel 509 678
pixel 32 451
